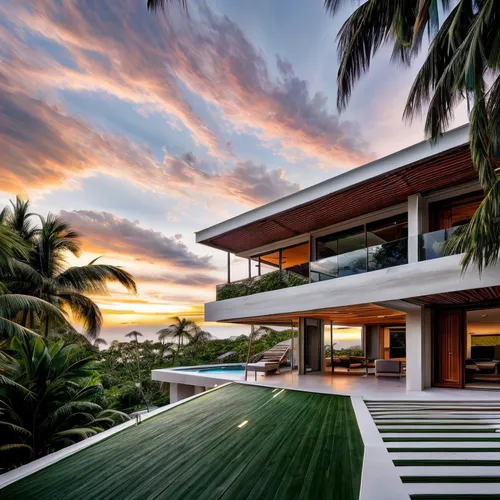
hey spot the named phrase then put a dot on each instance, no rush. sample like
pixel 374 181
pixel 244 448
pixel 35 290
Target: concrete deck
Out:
pixel 369 387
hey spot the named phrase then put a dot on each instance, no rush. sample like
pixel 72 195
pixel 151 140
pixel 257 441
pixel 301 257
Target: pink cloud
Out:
pixel 121 49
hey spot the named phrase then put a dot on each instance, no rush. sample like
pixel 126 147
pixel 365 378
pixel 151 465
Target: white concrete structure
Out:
pixel 372 240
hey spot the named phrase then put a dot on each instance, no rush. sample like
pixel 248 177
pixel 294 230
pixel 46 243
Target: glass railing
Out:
pixel 275 280
pixel 394 253
pixel 391 254
pixel 432 245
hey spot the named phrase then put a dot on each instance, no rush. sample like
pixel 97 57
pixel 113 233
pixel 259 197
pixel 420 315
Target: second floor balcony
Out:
pixel 273 275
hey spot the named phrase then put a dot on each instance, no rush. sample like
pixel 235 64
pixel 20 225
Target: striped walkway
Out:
pixel 443 449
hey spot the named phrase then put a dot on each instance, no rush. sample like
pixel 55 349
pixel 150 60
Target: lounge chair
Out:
pixel 271 360
pixel 388 368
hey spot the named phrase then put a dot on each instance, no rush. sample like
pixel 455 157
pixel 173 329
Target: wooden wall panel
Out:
pixel 449 348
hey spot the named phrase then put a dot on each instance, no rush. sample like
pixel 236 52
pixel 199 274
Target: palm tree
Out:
pixel 13 306
pixel 48 399
pixel 45 274
pixel 134 334
pixel 99 341
pixel 180 330
pixel 198 338
pixel 463 60
pixel 19 219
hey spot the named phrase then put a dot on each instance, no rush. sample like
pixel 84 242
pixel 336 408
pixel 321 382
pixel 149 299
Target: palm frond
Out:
pixel 12 329
pixel 478 240
pixel 14 446
pixel 155 5
pixel 13 304
pixel 78 432
pixel 85 311
pixel 93 278
pixel 16 428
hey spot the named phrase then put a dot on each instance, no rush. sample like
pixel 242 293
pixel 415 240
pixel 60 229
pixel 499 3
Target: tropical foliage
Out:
pixel 34 264
pixel 49 398
pixel 272 281
pixel 50 393
pixel 463 61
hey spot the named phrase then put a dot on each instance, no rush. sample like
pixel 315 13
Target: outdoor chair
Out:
pixel 271 360
pixel 388 368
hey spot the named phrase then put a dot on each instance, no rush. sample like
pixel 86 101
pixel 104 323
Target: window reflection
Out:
pixel 294 259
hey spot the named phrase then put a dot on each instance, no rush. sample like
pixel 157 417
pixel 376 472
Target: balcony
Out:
pixel 383 256
pixel 275 280
pixel 394 253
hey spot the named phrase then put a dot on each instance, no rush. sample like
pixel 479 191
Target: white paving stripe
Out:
pixel 412 419
pixel 440 444
pixel 412 428
pixel 453 488
pixel 419 429
pixel 449 435
pixel 445 456
pixel 438 416
pixel 447 471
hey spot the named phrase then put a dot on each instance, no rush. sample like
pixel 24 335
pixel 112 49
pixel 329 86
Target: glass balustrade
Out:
pixel 394 253
pixel 432 245
pixel 374 258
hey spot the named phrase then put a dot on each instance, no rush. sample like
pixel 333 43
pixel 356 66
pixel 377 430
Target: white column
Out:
pixel 321 333
pixel 173 393
pixel 418 355
pixel 417 224
pixel 302 324
pixel 178 392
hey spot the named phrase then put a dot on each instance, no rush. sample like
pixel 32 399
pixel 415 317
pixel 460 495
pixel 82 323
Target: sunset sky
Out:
pixel 141 129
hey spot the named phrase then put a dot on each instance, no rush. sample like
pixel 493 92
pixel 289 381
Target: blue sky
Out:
pixel 141 128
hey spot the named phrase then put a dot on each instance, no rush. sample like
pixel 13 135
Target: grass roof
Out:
pixel 294 445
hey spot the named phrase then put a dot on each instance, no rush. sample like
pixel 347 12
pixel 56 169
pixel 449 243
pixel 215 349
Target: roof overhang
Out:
pixel 381 183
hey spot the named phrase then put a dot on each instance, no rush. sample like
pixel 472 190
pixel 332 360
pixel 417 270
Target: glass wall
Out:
pixel 482 363
pixel 377 245
pixel 294 259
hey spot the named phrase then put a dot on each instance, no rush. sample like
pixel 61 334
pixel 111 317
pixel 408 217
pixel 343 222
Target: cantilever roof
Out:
pixel 378 184
pixel 294 445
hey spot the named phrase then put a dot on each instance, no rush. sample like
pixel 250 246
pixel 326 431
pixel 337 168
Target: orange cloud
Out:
pixel 105 232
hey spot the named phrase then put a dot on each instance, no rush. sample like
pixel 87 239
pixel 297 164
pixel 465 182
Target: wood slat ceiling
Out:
pixel 363 314
pixel 437 172
pixel 463 297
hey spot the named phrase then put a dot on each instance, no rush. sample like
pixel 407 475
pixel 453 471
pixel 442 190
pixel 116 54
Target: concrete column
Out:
pixel 178 392
pixel 321 331
pixel 418 349
pixel 198 389
pixel 417 224
pixel 302 325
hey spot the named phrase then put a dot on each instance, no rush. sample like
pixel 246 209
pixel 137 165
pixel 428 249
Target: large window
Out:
pixel 377 245
pixel 294 259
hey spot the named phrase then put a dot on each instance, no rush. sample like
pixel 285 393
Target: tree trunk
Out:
pixel 47 326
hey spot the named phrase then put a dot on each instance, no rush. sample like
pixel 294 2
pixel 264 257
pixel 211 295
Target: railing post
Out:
pixel 331 345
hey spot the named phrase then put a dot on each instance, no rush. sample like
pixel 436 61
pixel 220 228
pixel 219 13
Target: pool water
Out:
pixel 232 372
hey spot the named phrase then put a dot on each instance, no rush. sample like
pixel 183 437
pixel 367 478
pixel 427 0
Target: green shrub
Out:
pixel 266 283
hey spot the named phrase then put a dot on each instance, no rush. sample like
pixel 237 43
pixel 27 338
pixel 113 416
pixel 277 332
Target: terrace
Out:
pixel 290 266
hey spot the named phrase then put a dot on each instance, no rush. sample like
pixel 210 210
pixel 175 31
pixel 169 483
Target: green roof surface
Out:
pixel 295 445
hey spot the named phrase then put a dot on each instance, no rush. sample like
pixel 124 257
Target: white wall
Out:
pixel 410 280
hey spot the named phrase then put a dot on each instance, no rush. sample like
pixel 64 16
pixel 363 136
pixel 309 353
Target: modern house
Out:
pixel 366 248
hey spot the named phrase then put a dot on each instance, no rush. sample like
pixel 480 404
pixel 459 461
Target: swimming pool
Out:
pixel 227 372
